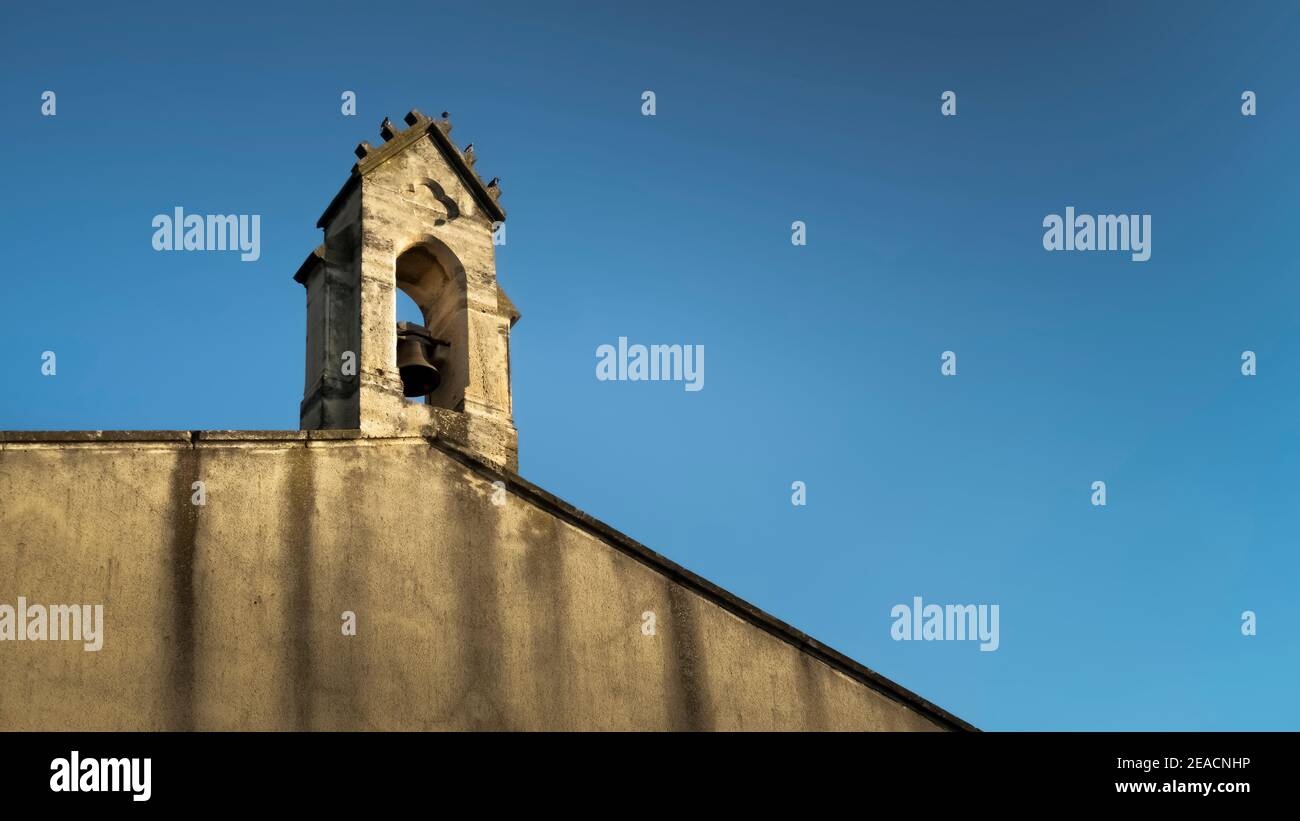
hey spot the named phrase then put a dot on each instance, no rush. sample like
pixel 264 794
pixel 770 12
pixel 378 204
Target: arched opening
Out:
pixel 431 282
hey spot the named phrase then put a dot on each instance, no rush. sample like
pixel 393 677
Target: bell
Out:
pixel 415 346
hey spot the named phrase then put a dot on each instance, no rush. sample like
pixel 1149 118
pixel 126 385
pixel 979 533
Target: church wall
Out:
pixel 469 614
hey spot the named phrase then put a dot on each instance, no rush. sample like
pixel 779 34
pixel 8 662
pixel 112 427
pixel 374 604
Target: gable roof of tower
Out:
pixel 396 141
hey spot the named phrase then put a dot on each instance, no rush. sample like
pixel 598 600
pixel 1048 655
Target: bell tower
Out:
pixel 415 216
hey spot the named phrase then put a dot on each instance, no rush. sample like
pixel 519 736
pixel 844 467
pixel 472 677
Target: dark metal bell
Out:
pixel 415 347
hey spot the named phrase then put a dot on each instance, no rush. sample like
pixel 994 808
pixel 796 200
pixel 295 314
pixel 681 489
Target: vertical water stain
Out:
pixel 686 683
pixel 813 676
pixel 357 553
pixel 296 536
pixel 184 533
pixel 475 560
pixel 549 620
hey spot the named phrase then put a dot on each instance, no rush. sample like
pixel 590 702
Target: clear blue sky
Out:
pixel 924 235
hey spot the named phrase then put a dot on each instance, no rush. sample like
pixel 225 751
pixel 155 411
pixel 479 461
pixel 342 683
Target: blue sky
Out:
pixel 924 235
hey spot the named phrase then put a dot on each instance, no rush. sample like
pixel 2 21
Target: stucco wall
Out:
pixel 470 615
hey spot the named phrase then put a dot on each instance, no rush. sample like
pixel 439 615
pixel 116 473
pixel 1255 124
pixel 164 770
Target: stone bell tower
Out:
pixel 415 216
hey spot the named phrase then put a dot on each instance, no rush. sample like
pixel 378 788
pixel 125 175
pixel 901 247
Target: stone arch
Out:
pixel 431 274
